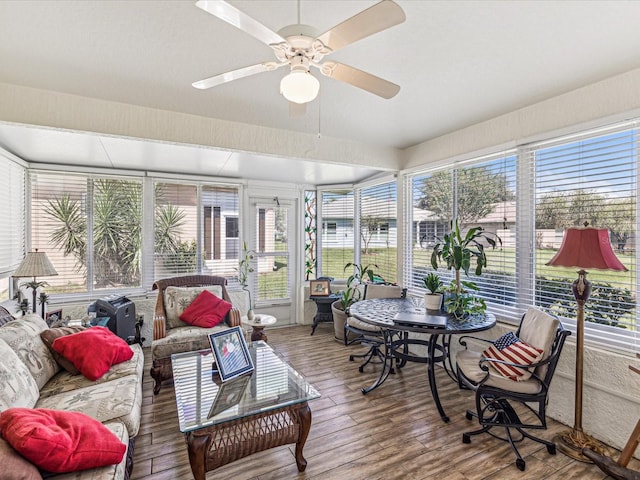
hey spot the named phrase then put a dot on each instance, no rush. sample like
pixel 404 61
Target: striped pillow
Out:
pixel 510 348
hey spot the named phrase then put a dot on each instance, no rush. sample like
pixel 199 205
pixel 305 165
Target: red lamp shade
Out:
pixel 587 248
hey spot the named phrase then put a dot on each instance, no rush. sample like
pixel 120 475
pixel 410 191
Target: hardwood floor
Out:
pixel 392 432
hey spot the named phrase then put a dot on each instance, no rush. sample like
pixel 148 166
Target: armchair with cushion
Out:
pixel 172 335
pixel 367 334
pixel 511 379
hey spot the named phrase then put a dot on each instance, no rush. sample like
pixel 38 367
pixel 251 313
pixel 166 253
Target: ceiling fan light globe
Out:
pixel 299 87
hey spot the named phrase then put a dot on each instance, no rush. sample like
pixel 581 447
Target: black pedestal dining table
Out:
pixel 382 312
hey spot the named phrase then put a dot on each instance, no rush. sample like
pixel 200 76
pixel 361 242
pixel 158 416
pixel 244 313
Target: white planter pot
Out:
pixel 432 301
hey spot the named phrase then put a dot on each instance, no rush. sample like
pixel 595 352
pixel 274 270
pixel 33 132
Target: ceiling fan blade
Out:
pixel 374 19
pixel 235 75
pixel 360 79
pixel 241 20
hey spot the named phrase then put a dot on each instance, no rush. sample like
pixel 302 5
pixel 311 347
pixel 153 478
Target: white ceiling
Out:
pixel 458 63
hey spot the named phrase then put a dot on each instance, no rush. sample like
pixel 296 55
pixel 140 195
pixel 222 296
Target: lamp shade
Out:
pixel 35 264
pixel 299 86
pixel 588 248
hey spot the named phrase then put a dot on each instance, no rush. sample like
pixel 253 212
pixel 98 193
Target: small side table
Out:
pixel 324 313
pixel 259 322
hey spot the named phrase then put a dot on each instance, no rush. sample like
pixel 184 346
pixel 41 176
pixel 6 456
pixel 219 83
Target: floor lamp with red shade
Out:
pixel 583 248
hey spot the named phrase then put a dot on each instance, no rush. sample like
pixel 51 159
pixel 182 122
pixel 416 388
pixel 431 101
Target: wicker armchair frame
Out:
pixel 161 367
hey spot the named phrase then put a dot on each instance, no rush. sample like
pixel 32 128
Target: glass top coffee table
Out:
pixel 223 422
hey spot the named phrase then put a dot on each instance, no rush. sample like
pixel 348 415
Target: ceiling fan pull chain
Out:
pixel 319 104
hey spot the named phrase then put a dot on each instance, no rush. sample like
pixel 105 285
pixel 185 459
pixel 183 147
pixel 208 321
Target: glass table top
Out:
pixel 203 400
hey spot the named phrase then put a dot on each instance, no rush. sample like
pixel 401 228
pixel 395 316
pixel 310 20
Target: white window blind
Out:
pixel 176 229
pixel 589 178
pixel 196 229
pixel 337 232
pixel 221 225
pixel 13 219
pixel 378 229
pixel 424 224
pixel 486 197
pixel 479 193
pixel 91 229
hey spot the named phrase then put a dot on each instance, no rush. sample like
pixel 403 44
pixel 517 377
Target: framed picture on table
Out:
pixel 231 353
pixel 319 288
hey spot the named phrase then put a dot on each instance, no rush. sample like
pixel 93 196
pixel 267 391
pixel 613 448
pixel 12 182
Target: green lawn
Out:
pixel 503 259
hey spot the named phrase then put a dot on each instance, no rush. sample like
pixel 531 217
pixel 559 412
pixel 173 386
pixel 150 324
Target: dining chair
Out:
pixel 511 377
pixel 365 333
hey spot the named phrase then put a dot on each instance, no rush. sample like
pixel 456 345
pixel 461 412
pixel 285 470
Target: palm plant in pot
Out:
pixel 350 295
pixel 456 252
pixel 433 299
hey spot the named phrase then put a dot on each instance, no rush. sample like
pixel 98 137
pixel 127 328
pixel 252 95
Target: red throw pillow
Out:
pixel 93 350
pixel 60 441
pixel 206 310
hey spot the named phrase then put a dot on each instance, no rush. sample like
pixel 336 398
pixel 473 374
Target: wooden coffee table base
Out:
pixel 212 447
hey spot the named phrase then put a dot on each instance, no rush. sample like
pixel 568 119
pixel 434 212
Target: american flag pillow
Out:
pixel 510 348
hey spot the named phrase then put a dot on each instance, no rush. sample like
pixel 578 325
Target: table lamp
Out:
pixel 583 248
pixel 35 264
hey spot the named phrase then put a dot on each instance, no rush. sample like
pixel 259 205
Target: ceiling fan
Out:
pixel 299 47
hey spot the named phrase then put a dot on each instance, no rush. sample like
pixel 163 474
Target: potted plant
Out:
pixel 350 295
pixel 463 304
pixel 457 252
pixel 433 299
pixel 244 270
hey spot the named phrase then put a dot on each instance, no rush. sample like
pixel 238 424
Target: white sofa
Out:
pixel 31 378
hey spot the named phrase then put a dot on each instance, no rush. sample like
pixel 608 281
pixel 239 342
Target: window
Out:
pixel 528 197
pixel 223 238
pixel 378 208
pixel 588 178
pixel 486 197
pixel 338 235
pixel 13 219
pixel 479 193
pixel 272 254
pixel 91 229
pixel 331 229
pixel 196 229
pixel 176 229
